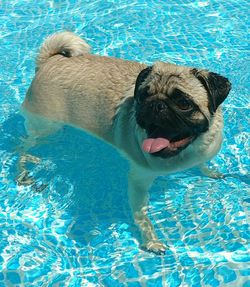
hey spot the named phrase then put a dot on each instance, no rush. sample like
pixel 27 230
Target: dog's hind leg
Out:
pixel 37 128
pixel 138 186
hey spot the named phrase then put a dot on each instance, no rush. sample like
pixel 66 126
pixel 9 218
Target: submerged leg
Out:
pixel 211 172
pixel 138 186
pixel 37 128
pixel 23 177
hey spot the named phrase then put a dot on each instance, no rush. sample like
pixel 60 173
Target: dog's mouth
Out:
pixel 164 144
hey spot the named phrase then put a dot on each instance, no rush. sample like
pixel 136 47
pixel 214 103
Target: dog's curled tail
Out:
pixel 67 44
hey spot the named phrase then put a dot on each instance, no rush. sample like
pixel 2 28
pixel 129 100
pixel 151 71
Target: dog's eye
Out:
pixel 181 101
pixel 183 104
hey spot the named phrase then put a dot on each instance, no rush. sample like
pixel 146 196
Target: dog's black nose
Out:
pixel 158 106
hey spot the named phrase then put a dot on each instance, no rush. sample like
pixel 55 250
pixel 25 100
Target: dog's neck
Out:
pixel 123 134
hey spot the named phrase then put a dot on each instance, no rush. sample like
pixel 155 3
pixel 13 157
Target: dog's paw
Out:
pixel 36 187
pixel 211 172
pixel 156 247
pixel 215 174
pixel 24 179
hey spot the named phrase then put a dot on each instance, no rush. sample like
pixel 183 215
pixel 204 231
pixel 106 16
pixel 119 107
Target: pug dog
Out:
pixel 164 118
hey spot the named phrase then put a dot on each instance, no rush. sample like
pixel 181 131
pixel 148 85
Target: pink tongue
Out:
pixel 155 145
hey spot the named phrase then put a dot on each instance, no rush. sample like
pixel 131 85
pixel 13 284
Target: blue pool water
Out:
pixel 79 231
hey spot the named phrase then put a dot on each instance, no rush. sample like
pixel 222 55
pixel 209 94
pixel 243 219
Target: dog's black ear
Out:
pixel 217 86
pixel 141 78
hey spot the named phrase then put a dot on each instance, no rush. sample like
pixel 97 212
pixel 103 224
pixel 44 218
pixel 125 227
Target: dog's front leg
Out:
pixel 138 186
pixel 210 172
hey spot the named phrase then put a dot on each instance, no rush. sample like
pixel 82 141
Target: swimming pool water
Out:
pixel 79 231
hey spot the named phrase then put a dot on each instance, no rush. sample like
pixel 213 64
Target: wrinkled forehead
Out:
pixel 167 77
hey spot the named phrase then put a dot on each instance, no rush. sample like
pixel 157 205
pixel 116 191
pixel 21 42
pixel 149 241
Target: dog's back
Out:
pixel 69 81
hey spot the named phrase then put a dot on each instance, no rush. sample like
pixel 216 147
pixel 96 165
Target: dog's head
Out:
pixel 175 105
